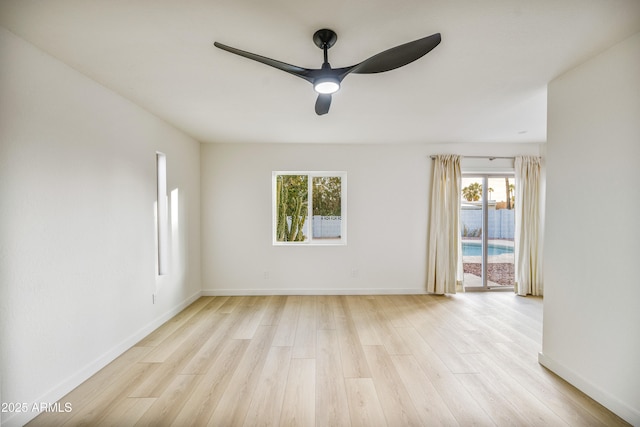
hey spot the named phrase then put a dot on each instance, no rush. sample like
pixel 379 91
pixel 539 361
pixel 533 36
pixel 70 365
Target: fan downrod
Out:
pixel 325 38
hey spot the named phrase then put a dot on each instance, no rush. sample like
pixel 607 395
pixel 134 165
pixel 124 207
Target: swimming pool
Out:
pixel 475 249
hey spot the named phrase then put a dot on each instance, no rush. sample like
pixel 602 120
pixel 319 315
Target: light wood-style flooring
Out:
pixel 421 360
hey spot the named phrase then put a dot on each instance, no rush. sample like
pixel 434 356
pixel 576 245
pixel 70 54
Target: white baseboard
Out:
pixel 606 399
pixel 251 292
pixel 83 374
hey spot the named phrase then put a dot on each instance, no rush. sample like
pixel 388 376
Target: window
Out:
pixel 309 208
pixel 162 219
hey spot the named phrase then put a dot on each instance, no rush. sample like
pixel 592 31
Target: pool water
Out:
pixel 475 249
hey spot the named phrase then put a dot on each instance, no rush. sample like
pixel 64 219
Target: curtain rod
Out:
pixel 482 157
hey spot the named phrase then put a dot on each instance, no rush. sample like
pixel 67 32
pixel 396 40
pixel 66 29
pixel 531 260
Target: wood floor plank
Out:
pixel 325 306
pixel 507 327
pixel 252 309
pixel 220 333
pixel 431 408
pixel 443 334
pixel 461 404
pixel 214 304
pixel 174 362
pixel 503 388
pixel 223 327
pixel 266 404
pixel 286 331
pixel 444 347
pixel 177 321
pixel 230 304
pixel 274 310
pixel 363 320
pixel 184 336
pixel 331 395
pixel 492 401
pixel 354 362
pixel 82 396
pixel 384 328
pixel 394 308
pixel 394 398
pixel 127 412
pixel 299 408
pixel 166 408
pixel 304 344
pixel 99 407
pixel 213 385
pixel 233 405
pixel 364 406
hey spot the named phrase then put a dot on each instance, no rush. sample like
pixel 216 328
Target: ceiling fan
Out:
pixel 326 80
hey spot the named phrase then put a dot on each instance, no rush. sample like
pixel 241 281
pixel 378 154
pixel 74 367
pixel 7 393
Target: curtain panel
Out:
pixel 444 274
pixel 528 240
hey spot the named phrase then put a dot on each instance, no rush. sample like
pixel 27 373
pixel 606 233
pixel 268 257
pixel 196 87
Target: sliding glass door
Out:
pixel 487 224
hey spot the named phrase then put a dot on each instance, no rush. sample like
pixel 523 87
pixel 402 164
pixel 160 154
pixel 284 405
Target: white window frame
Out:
pixel 310 240
pixel 485 176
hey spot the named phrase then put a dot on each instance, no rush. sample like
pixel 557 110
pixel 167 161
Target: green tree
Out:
pixel 292 203
pixel 509 188
pixel 473 192
pixel 327 195
pixel 512 195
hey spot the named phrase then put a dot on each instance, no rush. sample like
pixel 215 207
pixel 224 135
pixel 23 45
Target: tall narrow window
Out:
pixel 309 208
pixel 487 223
pixel 161 213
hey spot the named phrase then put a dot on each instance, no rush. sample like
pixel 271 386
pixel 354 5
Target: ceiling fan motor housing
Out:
pixel 325 37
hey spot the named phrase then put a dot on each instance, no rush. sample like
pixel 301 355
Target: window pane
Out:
pixel 500 256
pixel 471 230
pixel 162 215
pixel 327 207
pixel 292 193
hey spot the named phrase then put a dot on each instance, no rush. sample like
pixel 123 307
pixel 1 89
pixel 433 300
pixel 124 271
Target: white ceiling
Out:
pixel 486 81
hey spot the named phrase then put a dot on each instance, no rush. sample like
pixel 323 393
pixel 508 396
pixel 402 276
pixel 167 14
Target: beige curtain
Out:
pixel 528 241
pixel 444 274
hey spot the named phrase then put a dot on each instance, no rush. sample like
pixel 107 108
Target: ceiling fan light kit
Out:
pixel 326 85
pixel 326 80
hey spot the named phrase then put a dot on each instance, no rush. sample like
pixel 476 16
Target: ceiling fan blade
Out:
pixel 397 56
pixel 303 73
pixel 322 104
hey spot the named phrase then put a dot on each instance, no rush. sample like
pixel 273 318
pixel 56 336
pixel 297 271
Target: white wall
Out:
pixel 592 247
pixel 77 250
pixel 388 198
